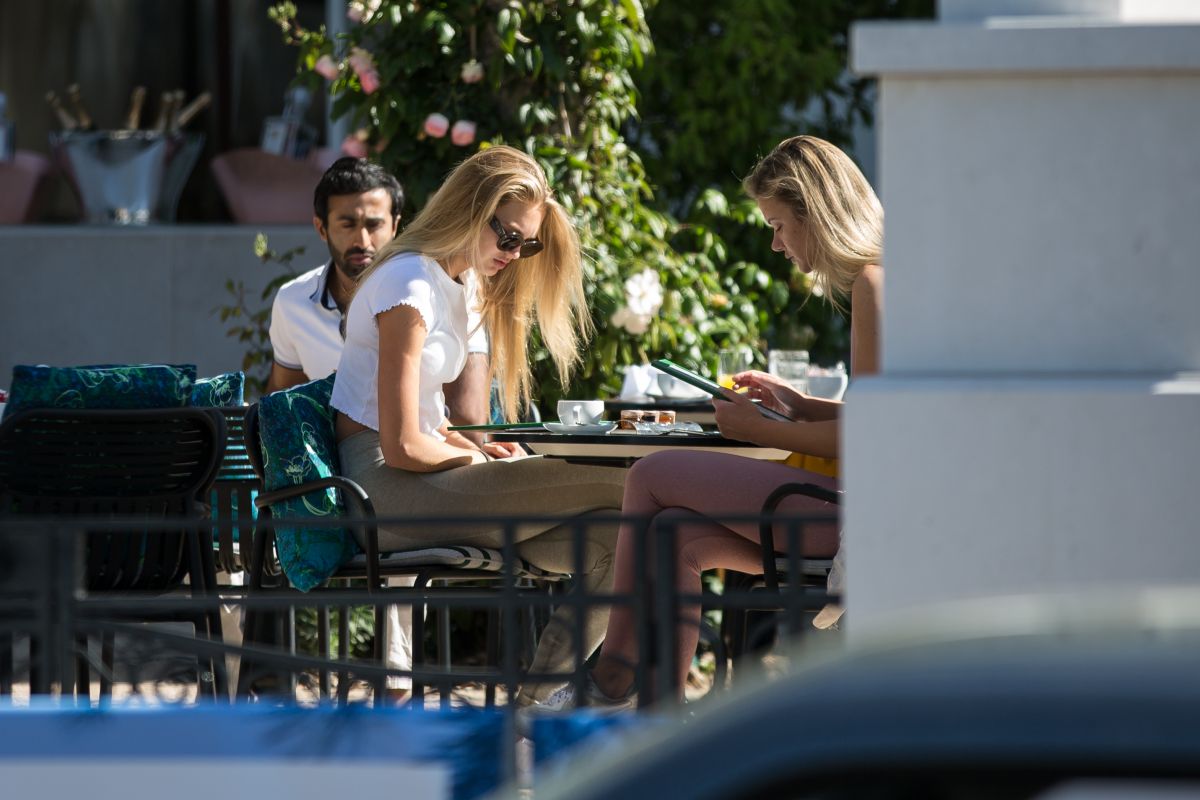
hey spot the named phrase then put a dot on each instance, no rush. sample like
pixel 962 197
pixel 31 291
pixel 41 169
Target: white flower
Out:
pixel 637 324
pixel 362 10
pixel 472 72
pixel 644 293
pixel 643 299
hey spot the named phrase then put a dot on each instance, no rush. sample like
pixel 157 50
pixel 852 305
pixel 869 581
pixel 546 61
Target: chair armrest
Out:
pixel 358 505
pixel 766 536
pixel 352 492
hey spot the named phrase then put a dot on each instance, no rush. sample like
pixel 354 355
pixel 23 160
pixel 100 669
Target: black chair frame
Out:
pixel 743 629
pixel 372 568
pixel 156 465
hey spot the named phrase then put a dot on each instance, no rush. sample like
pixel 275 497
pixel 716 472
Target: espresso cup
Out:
pixel 580 412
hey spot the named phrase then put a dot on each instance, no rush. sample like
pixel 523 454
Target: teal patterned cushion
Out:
pixel 120 386
pixel 223 390
pixel 298 445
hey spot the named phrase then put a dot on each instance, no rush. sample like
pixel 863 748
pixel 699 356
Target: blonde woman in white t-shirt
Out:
pixel 494 221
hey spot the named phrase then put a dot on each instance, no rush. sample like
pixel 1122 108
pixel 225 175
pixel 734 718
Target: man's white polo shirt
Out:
pixel 306 325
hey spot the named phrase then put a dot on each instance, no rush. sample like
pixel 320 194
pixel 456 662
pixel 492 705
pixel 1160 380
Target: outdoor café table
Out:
pixel 622 449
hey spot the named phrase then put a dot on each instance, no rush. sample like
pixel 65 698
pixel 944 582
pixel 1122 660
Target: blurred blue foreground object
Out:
pixel 1022 697
pixel 244 752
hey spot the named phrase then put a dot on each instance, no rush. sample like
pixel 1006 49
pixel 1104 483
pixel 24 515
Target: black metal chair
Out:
pixel 75 467
pixel 232 498
pixel 790 581
pixel 430 567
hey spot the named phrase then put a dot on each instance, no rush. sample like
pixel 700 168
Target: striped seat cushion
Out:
pixel 815 567
pixel 457 557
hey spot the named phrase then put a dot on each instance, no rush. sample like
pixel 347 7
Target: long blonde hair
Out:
pixel 829 194
pixel 544 290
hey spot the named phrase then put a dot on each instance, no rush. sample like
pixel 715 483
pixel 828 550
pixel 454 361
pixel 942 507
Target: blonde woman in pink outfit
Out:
pixel 828 222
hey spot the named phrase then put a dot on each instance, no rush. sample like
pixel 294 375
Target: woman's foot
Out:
pixel 565 699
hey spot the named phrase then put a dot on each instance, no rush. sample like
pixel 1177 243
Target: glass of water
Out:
pixel 791 365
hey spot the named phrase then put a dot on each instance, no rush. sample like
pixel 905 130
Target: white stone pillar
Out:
pixel 1037 422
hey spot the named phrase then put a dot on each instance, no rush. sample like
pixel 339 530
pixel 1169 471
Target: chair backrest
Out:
pixel 251 443
pixel 155 464
pixel 232 496
pixel 291 443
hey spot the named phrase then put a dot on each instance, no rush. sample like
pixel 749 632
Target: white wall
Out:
pixel 1043 225
pixel 1036 426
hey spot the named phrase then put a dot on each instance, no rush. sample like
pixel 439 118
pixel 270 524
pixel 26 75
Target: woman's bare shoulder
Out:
pixel 870 279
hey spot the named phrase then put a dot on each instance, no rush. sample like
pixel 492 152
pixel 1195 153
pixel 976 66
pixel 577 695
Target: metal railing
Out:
pixel 47 612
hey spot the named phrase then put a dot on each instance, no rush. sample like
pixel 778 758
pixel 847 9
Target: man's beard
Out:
pixel 342 262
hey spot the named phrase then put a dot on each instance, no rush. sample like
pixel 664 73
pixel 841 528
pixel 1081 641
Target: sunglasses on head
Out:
pixel 509 241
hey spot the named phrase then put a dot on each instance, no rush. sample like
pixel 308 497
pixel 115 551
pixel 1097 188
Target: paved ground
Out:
pixel 165 690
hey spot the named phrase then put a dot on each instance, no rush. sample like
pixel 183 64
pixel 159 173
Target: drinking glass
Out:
pixel 730 363
pixel 791 365
pixel 829 383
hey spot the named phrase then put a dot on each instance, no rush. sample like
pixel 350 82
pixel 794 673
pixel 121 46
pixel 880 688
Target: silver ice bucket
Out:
pixel 127 177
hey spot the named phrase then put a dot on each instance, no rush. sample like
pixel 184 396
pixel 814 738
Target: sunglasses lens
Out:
pixel 509 241
pixel 531 248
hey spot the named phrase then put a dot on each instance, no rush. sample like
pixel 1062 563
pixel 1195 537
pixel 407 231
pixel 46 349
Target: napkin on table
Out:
pixel 639 378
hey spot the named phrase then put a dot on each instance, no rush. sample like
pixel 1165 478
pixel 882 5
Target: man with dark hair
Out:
pixel 356 211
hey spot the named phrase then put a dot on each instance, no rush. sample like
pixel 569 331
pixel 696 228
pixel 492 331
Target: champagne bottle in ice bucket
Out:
pixel 81 114
pixel 129 175
pixel 65 119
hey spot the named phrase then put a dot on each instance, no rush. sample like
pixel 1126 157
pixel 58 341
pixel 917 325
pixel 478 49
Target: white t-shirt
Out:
pixel 413 280
pixel 306 325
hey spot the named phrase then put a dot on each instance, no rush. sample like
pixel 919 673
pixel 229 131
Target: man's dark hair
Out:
pixel 349 175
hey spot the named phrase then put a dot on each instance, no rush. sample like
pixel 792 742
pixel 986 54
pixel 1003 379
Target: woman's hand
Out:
pixel 738 418
pixel 774 392
pixel 504 450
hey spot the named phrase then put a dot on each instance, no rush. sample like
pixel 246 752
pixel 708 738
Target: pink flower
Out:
pixel 355 145
pixel 463 132
pixel 436 125
pixel 326 67
pixel 361 60
pixel 363 64
pixel 472 72
pixel 369 81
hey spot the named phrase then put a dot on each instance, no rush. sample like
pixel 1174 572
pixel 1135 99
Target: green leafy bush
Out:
pixel 722 83
pixel 557 80
pixel 727 82
pixel 248 319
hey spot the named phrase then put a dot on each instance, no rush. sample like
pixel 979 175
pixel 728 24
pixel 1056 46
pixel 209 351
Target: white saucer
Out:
pixel 599 427
pixel 679 394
